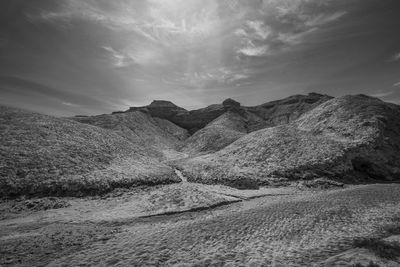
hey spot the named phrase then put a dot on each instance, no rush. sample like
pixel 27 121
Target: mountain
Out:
pixel 216 126
pixel 343 138
pixel 190 120
pixel 266 115
pixel 299 137
pixel 43 155
pixel 237 121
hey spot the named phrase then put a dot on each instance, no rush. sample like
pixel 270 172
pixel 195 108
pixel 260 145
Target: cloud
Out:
pixel 259 30
pixel 395 57
pixel 321 19
pixel 292 39
pixel 254 51
pixel 396 84
pixel 383 94
pixel 69 104
pixel 119 59
pixel 282 24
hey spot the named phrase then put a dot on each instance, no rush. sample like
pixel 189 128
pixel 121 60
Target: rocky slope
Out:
pixel 285 110
pixel 238 121
pixel 216 126
pixel 221 132
pixel 301 137
pixel 43 155
pixel 156 136
pixel 355 135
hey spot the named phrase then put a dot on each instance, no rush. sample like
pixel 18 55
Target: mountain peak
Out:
pixel 163 104
pixel 230 103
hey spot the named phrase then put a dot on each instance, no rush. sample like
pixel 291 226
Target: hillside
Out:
pixel 157 137
pixel 221 132
pixel 285 110
pixel 216 126
pixel 350 137
pixel 355 135
pixel 237 121
pixel 43 155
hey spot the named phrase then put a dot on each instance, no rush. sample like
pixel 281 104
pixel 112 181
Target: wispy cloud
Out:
pixel 283 24
pixel 321 19
pixel 69 104
pixel 382 94
pixel 119 59
pixel 396 84
pixel 252 50
pixel 395 57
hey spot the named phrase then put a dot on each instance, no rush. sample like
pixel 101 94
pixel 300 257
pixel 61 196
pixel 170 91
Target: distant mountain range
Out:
pixel 302 137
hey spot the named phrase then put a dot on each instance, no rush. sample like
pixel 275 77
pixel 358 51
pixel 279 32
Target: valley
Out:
pixel 309 180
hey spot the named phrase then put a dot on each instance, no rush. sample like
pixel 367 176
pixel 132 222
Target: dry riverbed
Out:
pixel 192 224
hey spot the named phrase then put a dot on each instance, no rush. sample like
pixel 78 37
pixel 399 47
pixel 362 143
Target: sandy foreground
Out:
pixel 191 224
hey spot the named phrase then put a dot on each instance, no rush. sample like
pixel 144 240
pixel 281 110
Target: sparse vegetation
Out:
pixel 241 182
pixel 216 135
pixel 298 225
pixel 380 247
pixel 352 136
pixel 46 156
pixel 291 231
pixel 370 264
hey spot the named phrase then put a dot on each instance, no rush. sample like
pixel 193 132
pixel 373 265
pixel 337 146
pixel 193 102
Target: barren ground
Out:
pixel 191 224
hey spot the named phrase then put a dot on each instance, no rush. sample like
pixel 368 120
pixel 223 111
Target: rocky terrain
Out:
pixel 219 133
pixel 265 115
pixel 41 155
pixel 162 186
pixel 153 135
pixel 267 227
pixel 350 138
pixel 344 138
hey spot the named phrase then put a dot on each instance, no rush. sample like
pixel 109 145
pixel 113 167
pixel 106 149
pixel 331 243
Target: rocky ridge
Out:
pixel 265 115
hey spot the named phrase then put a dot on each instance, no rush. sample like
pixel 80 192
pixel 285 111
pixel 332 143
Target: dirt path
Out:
pixel 284 229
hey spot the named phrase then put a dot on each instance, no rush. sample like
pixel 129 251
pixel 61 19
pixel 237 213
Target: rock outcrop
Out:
pixel 231 105
pixel 265 115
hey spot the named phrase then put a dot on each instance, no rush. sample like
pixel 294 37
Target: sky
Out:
pixel 71 57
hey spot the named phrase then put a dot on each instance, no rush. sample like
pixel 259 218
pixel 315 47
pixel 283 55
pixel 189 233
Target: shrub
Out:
pixel 370 264
pixel 242 183
pixel 379 247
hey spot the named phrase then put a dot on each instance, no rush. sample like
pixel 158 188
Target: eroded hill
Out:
pixel 43 155
pixel 265 115
pixel 343 138
pixel 299 137
pixel 157 137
